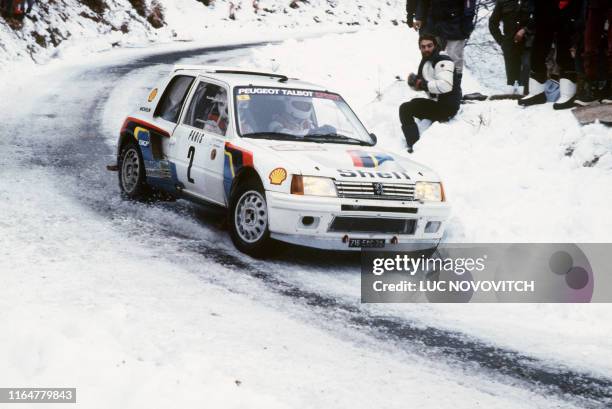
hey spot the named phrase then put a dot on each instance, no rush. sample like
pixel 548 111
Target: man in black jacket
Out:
pixel 553 21
pixel 438 77
pixel 514 16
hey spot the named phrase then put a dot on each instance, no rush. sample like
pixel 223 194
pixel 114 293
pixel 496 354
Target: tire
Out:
pixel 132 177
pixel 248 219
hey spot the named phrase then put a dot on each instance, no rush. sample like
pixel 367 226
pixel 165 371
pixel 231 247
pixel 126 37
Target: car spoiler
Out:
pixel 213 69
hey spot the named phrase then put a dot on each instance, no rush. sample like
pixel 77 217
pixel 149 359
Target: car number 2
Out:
pixel 190 156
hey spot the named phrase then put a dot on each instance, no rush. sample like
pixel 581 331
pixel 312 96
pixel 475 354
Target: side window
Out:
pixel 169 106
pixel 208 109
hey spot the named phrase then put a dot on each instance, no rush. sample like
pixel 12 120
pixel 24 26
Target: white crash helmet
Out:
pixel 299 108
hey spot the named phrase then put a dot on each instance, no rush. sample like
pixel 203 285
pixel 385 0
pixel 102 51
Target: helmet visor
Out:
pixel 304 106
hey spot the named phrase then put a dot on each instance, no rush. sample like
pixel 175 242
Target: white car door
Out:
pixel 167 114
pixel 201 139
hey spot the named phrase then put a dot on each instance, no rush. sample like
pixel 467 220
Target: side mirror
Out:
pixel 374 139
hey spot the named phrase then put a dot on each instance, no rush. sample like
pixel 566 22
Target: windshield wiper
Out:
pixel 271 135
pixel 336 137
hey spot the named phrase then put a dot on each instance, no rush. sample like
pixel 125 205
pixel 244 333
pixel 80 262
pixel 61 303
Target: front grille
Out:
pixel 372 190
pixel 379 209
pixel 343 224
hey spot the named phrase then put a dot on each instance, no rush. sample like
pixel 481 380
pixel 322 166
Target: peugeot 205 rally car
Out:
pixel 288 159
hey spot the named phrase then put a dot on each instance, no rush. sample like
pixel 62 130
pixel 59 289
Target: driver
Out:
pixel 297 118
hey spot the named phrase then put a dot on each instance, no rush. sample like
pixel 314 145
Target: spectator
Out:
pixel 452 21
pixel 553 20
pixel 514 41
pixel 7 7
pixel 27 5
pixel 438 77
pixel 411 6
pixel 597 13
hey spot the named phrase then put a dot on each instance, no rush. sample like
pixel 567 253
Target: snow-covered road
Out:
pixel 153 303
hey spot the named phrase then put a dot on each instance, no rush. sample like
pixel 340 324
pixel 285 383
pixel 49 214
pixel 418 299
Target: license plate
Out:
pixel 367 243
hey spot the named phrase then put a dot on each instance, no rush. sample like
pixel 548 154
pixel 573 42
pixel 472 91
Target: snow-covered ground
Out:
pixel 91 301
pixel 505 170
pixel 133 322
pixel 72 28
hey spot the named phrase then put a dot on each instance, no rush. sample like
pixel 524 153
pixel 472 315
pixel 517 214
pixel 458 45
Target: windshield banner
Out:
pixel 286 92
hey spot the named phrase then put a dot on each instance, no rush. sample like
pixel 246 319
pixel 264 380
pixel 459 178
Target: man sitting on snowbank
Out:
pixel 438 77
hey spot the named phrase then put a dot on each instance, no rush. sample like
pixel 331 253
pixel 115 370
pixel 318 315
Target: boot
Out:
pixel 568 94
pixel 588 94
pixel 411 133
pixel 536 94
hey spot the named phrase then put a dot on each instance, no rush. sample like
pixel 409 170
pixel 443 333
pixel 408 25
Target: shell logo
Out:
pixel 152 95
pixel 278 176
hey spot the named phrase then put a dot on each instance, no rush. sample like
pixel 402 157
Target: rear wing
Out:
pixel 214 69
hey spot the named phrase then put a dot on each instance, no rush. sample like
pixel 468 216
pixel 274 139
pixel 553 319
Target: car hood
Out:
pixel 349 162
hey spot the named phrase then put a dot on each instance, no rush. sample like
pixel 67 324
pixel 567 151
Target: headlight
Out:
pixel 429 192
pixel 313 186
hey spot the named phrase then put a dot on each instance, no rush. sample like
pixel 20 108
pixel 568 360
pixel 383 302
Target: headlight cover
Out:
pixel 313 186
pixel 429 192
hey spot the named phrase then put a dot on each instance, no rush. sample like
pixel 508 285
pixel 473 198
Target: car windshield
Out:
pixel 300 115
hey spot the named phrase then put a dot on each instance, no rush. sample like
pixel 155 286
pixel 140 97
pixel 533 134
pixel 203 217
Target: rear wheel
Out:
pixel 249 219
pixel 132 177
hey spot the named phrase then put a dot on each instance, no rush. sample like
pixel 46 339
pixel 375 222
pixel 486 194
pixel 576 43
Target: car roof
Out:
pixel 236 77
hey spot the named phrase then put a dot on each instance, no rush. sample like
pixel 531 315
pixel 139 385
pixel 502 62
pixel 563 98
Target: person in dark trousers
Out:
pixel 514 41
pixel 7 6
pixel 438 77
pixel 598 12
pixel 411 6
pixel 28 4
pixel 553 21
pixel 452 21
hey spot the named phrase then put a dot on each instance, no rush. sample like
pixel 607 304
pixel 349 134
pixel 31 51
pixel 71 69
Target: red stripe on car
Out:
pixel 144 124
pixel 357 161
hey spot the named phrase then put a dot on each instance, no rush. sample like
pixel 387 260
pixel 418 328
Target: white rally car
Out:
pixel 288 159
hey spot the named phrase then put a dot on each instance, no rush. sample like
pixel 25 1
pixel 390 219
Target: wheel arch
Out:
pixel 124 138
pixel 244 175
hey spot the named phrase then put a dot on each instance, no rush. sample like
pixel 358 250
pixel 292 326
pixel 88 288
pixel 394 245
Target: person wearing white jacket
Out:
pixel 438 77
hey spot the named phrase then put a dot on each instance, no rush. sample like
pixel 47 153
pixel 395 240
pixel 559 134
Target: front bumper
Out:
pixel 288 213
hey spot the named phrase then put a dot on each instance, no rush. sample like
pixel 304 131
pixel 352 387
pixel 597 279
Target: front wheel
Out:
pixel 249 220
pixel 132 178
